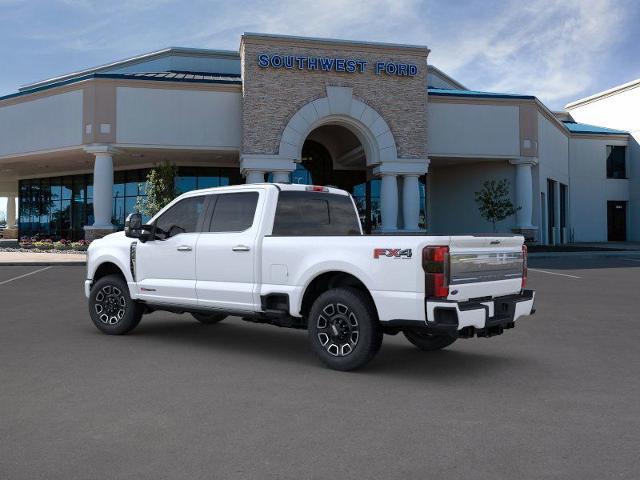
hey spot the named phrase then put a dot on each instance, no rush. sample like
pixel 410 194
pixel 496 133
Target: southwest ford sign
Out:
pixel 334 64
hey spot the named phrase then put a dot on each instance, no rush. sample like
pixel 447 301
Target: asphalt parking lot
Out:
pixel 557 397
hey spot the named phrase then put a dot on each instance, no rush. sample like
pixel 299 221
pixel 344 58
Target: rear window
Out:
pixel 315 213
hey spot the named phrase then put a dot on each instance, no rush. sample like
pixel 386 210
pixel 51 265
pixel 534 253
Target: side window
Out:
pixel 183 217
pixel 234 212
pixel 311 213
pixel 616 167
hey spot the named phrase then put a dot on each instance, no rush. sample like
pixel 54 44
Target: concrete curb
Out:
pixel 617 253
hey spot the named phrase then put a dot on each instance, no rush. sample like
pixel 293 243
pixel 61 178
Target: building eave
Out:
pixel 606 93
pixel 132 61
pixel 116 76
pixel 448 78
pixel 319 41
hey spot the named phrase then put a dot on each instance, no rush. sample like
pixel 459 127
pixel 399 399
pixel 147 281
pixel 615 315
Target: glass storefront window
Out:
pixel 67 189
pixel 43 210
pixel 59 207
pixel 186 184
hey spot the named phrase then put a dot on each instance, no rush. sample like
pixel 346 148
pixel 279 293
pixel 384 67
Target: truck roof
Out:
pixel 280 186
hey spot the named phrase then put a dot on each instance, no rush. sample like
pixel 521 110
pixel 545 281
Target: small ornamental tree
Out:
pixel 160 189
pixel 494 201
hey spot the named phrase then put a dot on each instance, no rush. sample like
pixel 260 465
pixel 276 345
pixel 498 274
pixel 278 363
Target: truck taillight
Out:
pixel 435 262
pixel 524 266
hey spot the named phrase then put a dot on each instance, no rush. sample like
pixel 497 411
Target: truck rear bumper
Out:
pixel 473 318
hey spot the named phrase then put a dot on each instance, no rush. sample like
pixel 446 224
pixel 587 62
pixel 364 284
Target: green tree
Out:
pixel 160 189
pixel 494 201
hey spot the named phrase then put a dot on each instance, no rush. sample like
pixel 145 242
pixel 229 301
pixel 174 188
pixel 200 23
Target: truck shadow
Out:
pixel 267 343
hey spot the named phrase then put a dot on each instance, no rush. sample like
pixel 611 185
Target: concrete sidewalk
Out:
pixel 592 253
pixel 38 259
pixel 614 245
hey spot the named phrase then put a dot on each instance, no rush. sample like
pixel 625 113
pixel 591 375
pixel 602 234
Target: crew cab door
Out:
pixel 166 269
pixel 227 250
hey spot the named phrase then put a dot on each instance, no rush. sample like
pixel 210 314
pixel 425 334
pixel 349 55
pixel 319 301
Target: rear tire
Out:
pixel 428 341
pixel 209 318
pixel 343 329
pixel 111 308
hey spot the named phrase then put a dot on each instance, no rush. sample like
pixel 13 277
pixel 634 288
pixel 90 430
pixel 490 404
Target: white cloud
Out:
pixel 548 48
pixel 545 48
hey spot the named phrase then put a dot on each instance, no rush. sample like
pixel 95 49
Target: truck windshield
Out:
pixel 315 213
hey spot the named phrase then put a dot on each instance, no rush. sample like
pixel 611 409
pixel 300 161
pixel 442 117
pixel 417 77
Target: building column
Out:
pixel 524 195
pixel 254 176
pixel 411 202
pixel 102 192
pixel 389 202
pixel 254 166
pixel 11 212
pixel 410 169
pixel 281 177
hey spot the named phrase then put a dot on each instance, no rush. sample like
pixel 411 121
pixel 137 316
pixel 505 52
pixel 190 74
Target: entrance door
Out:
pixel 617 221
pixel 551 211
pixel 543 220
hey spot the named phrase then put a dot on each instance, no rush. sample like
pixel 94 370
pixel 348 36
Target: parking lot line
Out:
pixel 25 275
pixel 554 273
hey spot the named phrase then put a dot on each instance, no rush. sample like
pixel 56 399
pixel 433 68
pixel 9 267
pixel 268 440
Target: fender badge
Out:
pixel 392 253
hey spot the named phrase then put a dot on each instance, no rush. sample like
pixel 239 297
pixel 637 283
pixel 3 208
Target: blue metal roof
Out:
pixel 188 77
pixel 444 92
pixel 575 127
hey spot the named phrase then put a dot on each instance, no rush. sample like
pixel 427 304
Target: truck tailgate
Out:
pixel 485 266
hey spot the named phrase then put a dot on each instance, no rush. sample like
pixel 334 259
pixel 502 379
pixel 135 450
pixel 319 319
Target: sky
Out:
pixel 557 50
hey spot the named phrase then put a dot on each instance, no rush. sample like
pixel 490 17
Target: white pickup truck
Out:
pixel 295 256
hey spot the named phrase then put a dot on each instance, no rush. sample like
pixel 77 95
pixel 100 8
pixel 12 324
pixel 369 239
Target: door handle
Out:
pixel 184 248
pixel 240 248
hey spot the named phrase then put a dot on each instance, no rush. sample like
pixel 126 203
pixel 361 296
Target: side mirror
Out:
pixel 133 225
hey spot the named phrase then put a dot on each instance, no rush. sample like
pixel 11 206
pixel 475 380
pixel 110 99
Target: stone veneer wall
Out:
pixel 272 96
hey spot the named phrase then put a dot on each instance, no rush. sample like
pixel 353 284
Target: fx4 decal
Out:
pixel 392 253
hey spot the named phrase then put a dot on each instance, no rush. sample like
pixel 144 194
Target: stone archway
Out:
pixel 339 107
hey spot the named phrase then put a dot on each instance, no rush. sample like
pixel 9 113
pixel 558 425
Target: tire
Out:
pixel 111 308
pixel 428 341
pixel 209 318
pixel 343 329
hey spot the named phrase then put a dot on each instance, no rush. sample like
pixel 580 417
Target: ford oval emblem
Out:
pixel 454 292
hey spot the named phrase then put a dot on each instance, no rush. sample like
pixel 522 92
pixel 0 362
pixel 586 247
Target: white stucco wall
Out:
pixel 620 111
pixel 451 195
pixel 189 118
pixel 553 163
pixel 471 129
pixel 43 124
pixel 590 189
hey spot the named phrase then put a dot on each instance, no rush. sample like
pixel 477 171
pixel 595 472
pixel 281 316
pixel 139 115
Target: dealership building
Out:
pixel 410 143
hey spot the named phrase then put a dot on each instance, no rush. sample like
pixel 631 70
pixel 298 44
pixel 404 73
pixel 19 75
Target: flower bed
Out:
pixel 36 244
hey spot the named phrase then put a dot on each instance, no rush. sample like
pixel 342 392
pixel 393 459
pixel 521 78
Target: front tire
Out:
pixel 111 308
pixel 428 341
pixel 209 318
pixel 343 329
